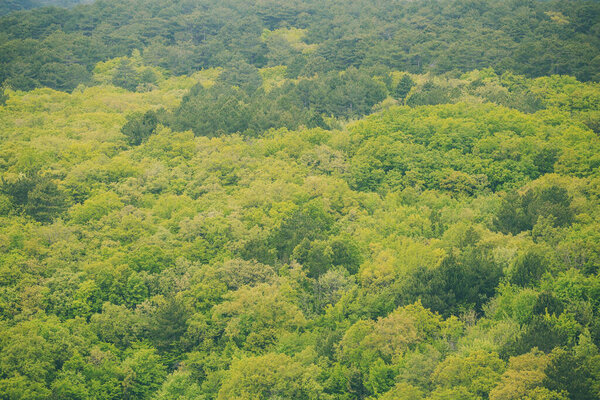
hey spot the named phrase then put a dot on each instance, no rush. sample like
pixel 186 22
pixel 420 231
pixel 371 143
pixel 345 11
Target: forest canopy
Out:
pixel 372 200
pixel 58 48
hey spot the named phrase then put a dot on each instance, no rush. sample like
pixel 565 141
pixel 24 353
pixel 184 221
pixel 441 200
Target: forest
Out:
pixel 312 200
pixel 8 6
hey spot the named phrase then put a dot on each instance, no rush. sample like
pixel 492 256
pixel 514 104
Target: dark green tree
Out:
pixel 140 127
pixel 519 213
pixel 242 75
pixel 403 87
pixel 570 373
pixel 35 195
pixel 529 268
pixel 126 76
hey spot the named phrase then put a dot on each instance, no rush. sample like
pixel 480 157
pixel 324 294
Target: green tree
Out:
pixel 179 385
pixel 35 195
pixel 274 376
pixel 520 212
pixel 139 127
pixel 126 76
pixel 403 87
pixel 477 372
pixel 529 268
pixel 143 374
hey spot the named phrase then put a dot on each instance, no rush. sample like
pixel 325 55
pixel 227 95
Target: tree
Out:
pixel 403 391
pixel 316 256
pixel 3 96
pixel 253 317
pixel 403 87
pixel 237 273
pixel 126 76
pixel 566 372
pixel 179 385
pixel 524 373
pixel 242 75
pixel 529 268
pixel 307 224
pixel 521 212
pixel 140 127
pixel 461 282
pixel 168 323
pixel 271 376
pixel 430 94
pixel 143 374
pixel 477 372
pixel 35 195
pixel 213 111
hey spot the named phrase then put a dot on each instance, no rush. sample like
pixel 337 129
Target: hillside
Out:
pixel 9 6
pixel 59 48
pixel 241 208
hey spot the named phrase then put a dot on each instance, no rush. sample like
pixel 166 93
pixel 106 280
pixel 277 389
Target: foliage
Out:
pixel 341 207
pixel 139 127
pixel 58 48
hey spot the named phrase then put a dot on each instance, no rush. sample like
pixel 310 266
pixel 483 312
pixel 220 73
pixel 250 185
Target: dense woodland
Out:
pixel 57 48
pixel 370 200
pixel 8 6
